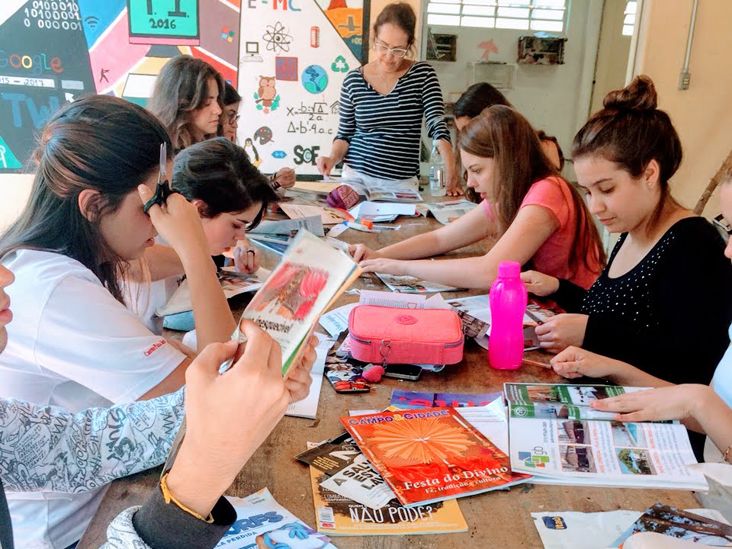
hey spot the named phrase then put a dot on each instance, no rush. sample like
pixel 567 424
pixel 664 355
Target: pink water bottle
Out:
pixel 508 298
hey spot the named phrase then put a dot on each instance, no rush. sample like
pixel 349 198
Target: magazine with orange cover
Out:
pixel 336 515
pixel 431 455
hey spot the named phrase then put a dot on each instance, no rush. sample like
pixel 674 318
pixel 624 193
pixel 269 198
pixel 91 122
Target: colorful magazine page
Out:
pixel 409 400
pixel 559 400
pixel 360 482
pixel 328 216
pixel 431 455
pixel 450 210
pixel 232 283
pixel 412 285
pixel 604 453
pixel 680 524
pixel 262 522
pixel 273 244
pixel 339 516
pixel 309 278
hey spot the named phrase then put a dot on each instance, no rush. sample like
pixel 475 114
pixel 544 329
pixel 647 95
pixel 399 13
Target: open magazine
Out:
pixel 384 194
pixel 558 438
pixel 232 282
pixel 449 211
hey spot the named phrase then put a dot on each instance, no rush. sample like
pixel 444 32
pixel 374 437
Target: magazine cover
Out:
pixel 310 276
pixel 232 283
pixel 262 523
pixel 430 455
pixel 550 400
pixel 336 515
pixel 603 453
pixel 680 524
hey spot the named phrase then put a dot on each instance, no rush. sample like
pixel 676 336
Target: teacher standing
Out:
pixel 381 109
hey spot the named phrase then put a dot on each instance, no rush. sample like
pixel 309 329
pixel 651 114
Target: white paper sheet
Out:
pixel 308 407
pixel 368 209
pixel 335 322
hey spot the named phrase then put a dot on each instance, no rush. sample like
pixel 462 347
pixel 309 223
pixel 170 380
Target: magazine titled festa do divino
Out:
pixel 431 455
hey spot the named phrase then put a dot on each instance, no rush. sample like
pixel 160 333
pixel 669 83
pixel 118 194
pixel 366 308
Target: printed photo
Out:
pixel 543 393
pixel 635 462
pixel 577 459
pixel 574 432
pixel 236 282
pixel 291 291
pixel 628 435
pixel 582 396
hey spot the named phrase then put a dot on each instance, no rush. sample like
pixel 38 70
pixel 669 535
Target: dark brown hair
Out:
pixel 543 136
pixel 503 134
pixel 631 131
pixel 219 173
pixel 180 89
pixel 97 142
pixel 400 14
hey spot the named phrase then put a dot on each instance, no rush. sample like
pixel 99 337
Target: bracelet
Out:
pixel 168 497
pixel 726 455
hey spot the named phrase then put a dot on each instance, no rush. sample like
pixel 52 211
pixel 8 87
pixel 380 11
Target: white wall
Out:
pixel 14 191
pixel 554 98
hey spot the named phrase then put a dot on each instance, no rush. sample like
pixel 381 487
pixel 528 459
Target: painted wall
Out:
pixel 702 114
pixel 612 53
pixel 554 98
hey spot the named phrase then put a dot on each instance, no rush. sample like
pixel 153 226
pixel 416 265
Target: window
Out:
pixel 629 17
pixel 534 15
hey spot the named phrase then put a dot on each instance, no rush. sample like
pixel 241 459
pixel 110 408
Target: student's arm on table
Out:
pixel 124 439
pixel 698 406
pixel 221 436
pixel 158 263
pixel 465 230
pixel 179 223
pixel 574 362
pixel 532 226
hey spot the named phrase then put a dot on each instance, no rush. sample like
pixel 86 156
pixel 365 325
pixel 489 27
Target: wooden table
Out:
pixel 497 519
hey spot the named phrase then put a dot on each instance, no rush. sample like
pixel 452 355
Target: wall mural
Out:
pixel 52 51
pixel 294 55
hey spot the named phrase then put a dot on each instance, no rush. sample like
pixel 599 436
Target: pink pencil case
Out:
pixel 389 335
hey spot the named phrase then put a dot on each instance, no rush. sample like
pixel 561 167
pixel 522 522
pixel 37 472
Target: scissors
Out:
pixel 163 189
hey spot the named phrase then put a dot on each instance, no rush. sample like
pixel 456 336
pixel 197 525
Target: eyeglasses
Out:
pixel 383 48
pixel 232 117
pixel 163 189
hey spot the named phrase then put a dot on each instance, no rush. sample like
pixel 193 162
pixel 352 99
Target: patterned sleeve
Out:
pixel 346 112
pixel 48 448
pixel 434 107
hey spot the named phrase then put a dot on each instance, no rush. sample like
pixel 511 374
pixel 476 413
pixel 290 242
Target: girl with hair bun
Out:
pixel 663 301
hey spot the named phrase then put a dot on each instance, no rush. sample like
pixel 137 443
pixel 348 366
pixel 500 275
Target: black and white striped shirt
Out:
pixel 383 131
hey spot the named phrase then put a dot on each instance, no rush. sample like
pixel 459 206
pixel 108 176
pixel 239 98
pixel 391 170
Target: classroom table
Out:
pixel 495 519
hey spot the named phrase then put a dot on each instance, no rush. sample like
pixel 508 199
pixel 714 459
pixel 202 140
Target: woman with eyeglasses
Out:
pixel 231 196
pixel 284 178
pixel 382 105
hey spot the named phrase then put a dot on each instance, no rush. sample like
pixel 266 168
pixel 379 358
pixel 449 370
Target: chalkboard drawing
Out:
pixel 266 96
pixel 335 107
pixel 8 160
pixel 264 135
pixel 315 36
pixel 276 38
pixel 227 35
pixel 252 152
pixel 315 79
pixel 339 65
pixel 286 68
pixel 251 53
pixel 279 154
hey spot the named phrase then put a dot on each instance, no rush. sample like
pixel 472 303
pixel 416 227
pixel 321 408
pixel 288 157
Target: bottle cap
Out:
pixel 509 269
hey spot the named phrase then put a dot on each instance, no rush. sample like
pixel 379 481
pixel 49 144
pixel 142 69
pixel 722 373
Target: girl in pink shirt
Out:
pixel 538 217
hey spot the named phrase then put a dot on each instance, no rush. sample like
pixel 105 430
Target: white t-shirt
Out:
pixel 143 299
pixel 71 344
pixel 722 385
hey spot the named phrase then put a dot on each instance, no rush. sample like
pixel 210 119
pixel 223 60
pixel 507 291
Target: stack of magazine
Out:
pixel 556 436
